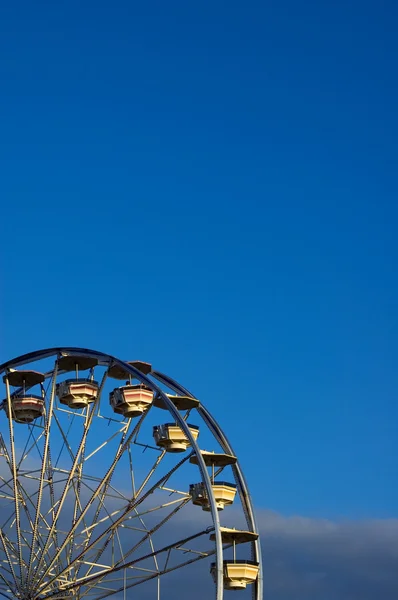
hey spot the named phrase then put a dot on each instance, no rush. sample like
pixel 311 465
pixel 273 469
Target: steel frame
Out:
pixel 54 569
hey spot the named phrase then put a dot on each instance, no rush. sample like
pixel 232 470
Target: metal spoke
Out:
pixel 44 465
pixel 15 481
pixel 130 507
pixel 71 474
pixel 149 533
pixel 101 485
pixel 9 561
pixel 88 580
pixel 25 497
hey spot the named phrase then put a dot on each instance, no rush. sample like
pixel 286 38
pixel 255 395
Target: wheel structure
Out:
pixel 116 481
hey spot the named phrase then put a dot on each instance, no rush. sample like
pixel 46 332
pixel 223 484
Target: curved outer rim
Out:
pixel 48 352
pixel 243 489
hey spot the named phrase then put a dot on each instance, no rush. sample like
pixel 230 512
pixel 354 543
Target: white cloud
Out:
pixel 314 558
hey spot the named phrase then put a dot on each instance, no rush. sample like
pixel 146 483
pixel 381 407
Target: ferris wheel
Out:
pixel 114 477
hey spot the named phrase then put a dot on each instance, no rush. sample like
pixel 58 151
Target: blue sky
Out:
pixel 212 188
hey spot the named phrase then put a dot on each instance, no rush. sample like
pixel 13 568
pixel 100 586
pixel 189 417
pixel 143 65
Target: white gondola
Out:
pixel 25 405
pixel 131 400
pixel 237 573
pixel 172 438
pixel 224 494
pixel 79 392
